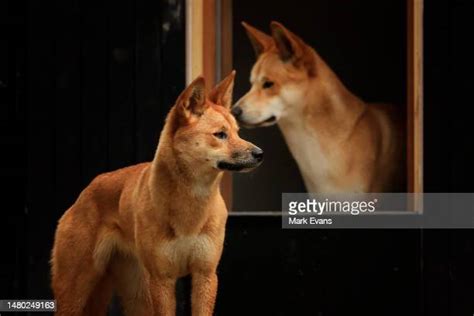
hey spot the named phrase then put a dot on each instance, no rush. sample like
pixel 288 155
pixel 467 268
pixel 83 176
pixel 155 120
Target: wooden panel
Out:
pixel 67 103
pixel 94 83
pixel 149 89
pixel 194 39
pixel 121 83
pixel 159 69
pixel 415 95
pixel 173 54
pixel 81 83
pixel 13 144
pixel 209 42
pixel 41 160
pixel 226 37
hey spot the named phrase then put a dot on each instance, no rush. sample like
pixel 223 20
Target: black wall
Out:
pixel 84 87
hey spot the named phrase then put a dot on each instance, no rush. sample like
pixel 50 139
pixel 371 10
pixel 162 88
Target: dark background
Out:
pixel 84 87
pixel 364 43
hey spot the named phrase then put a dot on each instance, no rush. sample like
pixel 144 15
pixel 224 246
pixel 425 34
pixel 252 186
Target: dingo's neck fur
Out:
pixel 310 129
pixel 167 171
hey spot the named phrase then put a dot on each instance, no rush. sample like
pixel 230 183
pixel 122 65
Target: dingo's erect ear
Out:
pixel 193 99
pixel 260 41
pixel 289 45
pixel 292 48
pixel 222 92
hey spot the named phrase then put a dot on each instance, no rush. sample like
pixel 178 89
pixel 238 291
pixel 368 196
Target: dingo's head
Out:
pixel 279 77
pixel 205 134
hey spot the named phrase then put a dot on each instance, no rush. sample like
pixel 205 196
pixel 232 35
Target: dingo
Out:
pixel 340 143
pixel 136 230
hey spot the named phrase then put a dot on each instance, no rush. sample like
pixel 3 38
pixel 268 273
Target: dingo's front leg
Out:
pixel 204 289
pixel 163 296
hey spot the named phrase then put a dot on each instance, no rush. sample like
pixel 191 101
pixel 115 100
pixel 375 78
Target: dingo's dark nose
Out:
pixel 257 153
pixel 236 111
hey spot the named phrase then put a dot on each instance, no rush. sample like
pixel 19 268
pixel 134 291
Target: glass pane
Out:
pixel 363 42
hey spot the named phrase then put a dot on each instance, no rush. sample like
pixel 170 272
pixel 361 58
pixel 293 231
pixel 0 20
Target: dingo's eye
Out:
pixel 221 135
pixel 267 84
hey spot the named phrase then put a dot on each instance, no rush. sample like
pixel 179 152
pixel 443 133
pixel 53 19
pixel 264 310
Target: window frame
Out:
pixel 209 52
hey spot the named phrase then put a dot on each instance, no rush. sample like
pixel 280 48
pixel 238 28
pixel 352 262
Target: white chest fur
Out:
pixel 177 256
pixel 311 159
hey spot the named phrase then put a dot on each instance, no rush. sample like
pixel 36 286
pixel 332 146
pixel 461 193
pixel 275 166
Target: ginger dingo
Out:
pixel 136 230
pixel 340 143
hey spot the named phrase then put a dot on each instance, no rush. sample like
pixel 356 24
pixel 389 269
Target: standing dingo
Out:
pixel 134 231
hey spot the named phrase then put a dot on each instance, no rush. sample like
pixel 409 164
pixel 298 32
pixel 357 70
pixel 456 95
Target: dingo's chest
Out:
pixel 180 255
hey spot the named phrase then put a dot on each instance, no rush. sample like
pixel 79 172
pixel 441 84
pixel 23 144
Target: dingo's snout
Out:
pixel 243 160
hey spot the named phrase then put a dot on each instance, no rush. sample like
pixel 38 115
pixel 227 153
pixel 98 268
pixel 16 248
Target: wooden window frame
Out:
pixel 415 95
pixel 209 51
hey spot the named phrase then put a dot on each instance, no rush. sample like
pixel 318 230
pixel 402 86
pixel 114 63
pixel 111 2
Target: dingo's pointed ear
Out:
pixel 289 45
pixel 193 99
pixel 260 41
pixel 222 92
pixel 292 48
